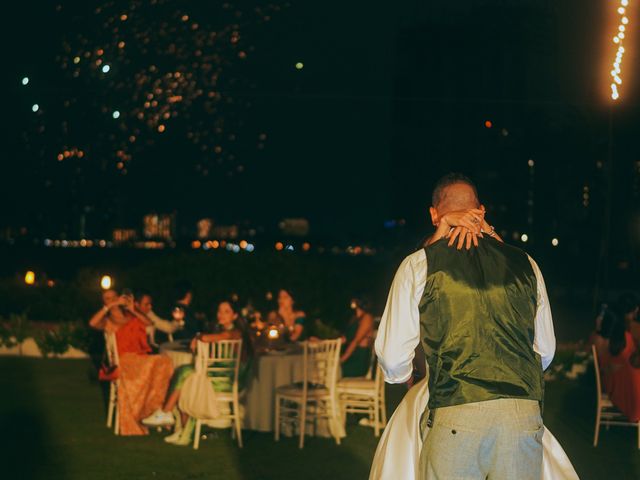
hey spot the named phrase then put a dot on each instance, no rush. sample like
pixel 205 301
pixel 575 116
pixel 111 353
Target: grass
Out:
pixel 52 423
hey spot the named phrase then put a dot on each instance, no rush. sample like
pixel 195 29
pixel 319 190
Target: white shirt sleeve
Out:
pixel 399 330
pixel 544 342
pixel 165 326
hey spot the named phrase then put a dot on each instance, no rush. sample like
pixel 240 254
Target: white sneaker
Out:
pixel 179 438
pixel 159 418
pixel 174 437
pixel 365 422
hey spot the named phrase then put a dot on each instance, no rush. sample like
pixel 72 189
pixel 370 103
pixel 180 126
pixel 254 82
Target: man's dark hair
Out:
pixel 139 294
pixel 180 289
pixel 448 180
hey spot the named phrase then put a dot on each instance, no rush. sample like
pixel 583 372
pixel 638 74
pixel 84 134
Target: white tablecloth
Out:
pixel 178 353
pixel 273 371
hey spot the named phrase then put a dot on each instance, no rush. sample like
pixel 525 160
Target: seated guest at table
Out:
pixel 143 378
pixel 227 315
pixel 182 310
pixel 628 305
pixel 144 305
pixel 620 379
pixel 356 352
pixel 294 319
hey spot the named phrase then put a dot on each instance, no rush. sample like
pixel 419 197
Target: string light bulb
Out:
pixel 618 39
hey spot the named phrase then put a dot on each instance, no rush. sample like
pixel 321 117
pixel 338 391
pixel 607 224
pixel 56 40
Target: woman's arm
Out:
pixel 298 327
pixel 214 337
pixel 141 316
pixel 234 334
pixel 99 319
pixel 365 327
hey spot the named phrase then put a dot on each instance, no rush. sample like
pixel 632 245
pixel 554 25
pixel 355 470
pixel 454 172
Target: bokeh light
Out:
pixel 106 282
pixel 30 278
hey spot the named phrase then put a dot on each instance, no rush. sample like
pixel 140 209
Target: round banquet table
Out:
pixel 178 352
pixel 273 370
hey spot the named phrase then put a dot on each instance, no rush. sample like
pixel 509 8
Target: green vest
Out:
pixel 477 318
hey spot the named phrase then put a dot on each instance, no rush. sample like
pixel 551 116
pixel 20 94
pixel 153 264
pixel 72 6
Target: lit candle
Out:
pixel 273 332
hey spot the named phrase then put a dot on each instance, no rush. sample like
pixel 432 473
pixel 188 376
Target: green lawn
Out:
pixel 52 415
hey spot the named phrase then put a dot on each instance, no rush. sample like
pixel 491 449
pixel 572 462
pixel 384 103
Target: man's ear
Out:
pixel 482 208
pixel 434 216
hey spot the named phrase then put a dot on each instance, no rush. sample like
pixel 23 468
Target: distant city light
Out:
pixel 116 114
pixel 488 124
pixel 30 278
pixel 289 248
pixel 531 163
pixel 25 80
pixel 554 242
pixel 106 68
pixel 76 60
pixel 306 246
pixel 279 246
pixel 35 108
pixel 250 247
pixel 243 244
pixel 105 282
pixel 299 66
pixel 524 238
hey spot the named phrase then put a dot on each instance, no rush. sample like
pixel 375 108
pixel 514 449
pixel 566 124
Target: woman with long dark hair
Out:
pixel 227 329
pixel 356 353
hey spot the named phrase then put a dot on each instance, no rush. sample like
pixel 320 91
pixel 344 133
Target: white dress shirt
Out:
pixel 166 326
pixel 399 331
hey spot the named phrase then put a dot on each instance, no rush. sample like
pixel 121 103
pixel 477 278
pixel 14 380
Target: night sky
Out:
pixel 389 97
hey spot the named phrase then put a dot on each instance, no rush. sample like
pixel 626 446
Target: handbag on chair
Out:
pixel 108 373
pixel 198 398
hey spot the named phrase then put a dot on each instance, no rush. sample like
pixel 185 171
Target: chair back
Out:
pixel 321 363
pixel 596 367
pixel 373 359
pixel 111 347
pixel 220 359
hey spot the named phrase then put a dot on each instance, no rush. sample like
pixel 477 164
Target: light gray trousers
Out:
pixel 496 440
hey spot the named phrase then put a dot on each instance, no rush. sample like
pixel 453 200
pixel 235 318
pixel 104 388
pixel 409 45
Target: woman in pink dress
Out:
pixel 621 380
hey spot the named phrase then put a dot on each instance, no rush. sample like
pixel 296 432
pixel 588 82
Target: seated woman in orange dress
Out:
pixel 144 378
pixel 621 380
